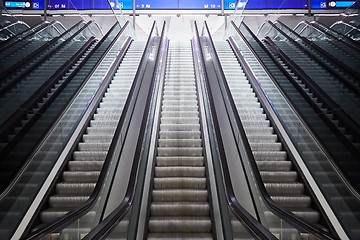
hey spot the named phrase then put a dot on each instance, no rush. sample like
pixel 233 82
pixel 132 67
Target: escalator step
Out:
pixel 180 151
pixel 179 183
pixel 179 224
pixel 176 195
pixel 180 209
pixel 180 161
pixel 180 171
pixel 81 177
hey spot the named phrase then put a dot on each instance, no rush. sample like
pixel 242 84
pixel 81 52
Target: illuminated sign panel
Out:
pixel 266 4
pixel 178 4
pixel 328 4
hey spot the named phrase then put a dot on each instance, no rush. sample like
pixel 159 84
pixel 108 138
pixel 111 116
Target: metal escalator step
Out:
pixel 284 188
pixel 277 177
pixel 180 209
pixel 180 134
pixel 96 146
pixel 104 123
pixel 85 165
pixel 179 183
pixel 274 165
pixel 265 146
pixel 89 155
pixel 180 127
pixel 176 195
pixel 61 201
pixel 179 224
pixel 181 171
pixel 97 138
pixel 81 177
pixel 180 151
pixel 77 189
pixel 180 160
pixel 270 155
pixel 178 114
pixel 101 130
pixel 258 130
pixel 177 120
pixel 300 201
pixel 185 108
pixel 259 123
pixel 179 142
pixel 264 138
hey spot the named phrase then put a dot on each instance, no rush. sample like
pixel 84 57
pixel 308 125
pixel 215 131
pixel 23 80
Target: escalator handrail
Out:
pixel 330 57
pixel 330 33
pixel 25 108
pixel 250 223
pixel 32 55
pixel 31 32
pixel 349 186
pixel 326 100
pixel 71 216
pixel 119 213
pixel 291 218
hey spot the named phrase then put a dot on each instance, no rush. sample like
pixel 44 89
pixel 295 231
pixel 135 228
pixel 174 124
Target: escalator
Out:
pixel 93 160
pixel 80 176
pixel 180 206
pixel 279 174
pixel 329 103
pixel 54 129
pixel 279 87
pixel 27 111
pixel 170 194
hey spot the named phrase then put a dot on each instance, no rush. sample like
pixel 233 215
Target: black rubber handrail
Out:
pixel 38 51
pixel 31 32
pixel 328 56
pixel 324 98
pixel 73 215
pixel 118 214
pixel 329 33
pixel 289 217
pixel 8 127
pixel 254 227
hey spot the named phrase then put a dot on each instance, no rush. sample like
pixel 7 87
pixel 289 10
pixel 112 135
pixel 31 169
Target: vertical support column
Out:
pixel 134 14
pixel 45 9
pixel 309 7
